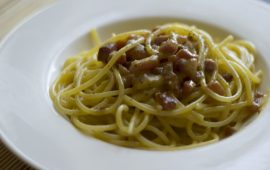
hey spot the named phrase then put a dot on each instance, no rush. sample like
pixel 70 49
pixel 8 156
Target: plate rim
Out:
pixel 4 139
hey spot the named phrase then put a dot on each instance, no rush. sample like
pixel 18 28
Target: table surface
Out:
pixel 12 12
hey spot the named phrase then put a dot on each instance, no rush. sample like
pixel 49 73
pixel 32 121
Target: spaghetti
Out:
pixel 172 87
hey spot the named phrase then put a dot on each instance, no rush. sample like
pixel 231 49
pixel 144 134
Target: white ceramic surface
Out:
pixel 31 55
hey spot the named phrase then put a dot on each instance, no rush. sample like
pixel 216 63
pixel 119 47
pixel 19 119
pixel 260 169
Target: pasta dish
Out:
pixel 172 87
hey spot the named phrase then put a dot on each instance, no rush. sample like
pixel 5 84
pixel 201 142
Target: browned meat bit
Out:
pixel 136 53
pixel 258 95
pixel 191 38
pixel 168 69
pixel 216 87
pixel 227 76
pixel 105 51
pixel 186 54
pixel 133 37
pixel 255 107
pixel 128 80
pixel 198 76
pixel 181 39
pixel 168 47
pixel 165 58
pixel 188 87
pixel 191 67
pixel 160 39
pixel 188 67
pixel 165 100
pixel 126 76
pixel 122 59
pixel 172 58
pixel 120 44
pixel 210 65
pixel 228 131
pixel 145 64
pixel 180 64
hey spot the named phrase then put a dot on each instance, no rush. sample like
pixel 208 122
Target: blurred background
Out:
pixel 11 13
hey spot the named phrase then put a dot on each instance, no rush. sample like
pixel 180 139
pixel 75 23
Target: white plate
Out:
pixel 31 55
